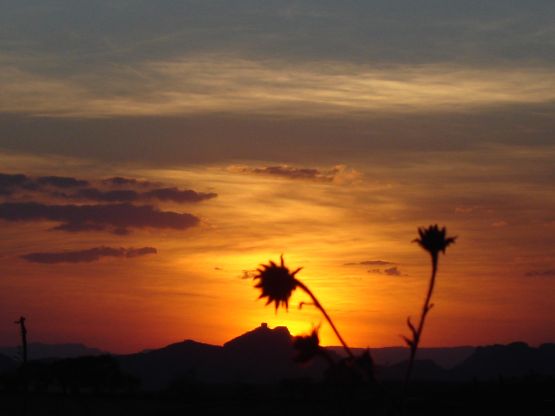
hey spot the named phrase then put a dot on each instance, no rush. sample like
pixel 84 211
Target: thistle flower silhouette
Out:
pixel 433 240
pixel 277 283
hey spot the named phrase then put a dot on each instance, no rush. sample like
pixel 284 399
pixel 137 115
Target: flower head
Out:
pixel 276 282
pixel 433 239
pixel 307 346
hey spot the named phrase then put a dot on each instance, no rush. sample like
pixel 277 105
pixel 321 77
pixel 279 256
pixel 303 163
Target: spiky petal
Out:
pixel 434 240
pixel 276 282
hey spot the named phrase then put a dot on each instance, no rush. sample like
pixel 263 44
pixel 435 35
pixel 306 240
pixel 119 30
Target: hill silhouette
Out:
pixel 266 356
pixel 517 359
pixel 445 357
pixel 260 356
pixel 40 350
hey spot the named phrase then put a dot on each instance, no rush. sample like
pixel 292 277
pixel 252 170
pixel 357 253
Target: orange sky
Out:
pixel 326 132
pixel 194 286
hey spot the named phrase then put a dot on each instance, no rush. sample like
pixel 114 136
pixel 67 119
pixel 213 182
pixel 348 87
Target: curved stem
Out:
pixel 319 306
pixel 424 313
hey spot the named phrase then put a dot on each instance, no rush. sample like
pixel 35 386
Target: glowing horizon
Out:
pixel 324 132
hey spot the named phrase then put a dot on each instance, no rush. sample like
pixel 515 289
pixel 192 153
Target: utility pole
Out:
pixel 21 324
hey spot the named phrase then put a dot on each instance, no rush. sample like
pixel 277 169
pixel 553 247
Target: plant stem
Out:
pixel 319 306
pixel 418 334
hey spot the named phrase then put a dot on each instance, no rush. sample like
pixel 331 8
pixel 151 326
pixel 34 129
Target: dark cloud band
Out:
pixel 75 189
pixel 88 255
pixel 541 273
pixel 370 263
pixel 118 218
pixel 291 172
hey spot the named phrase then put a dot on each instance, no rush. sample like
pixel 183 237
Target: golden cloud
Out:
pixel 223 84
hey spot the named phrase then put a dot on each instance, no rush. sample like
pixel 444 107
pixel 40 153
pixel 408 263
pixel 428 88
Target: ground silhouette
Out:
pixel 256 373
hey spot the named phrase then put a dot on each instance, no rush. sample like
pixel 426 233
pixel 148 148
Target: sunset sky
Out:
pixel 154 153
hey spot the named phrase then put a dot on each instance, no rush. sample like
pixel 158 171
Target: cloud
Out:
pixel 465 210
pixel 137 252
pixel 290 172
pixel 391 271
pixel 128 195
pixel 9 184
pixel 378 31
pixel 370 263
pixel 117 218
pixel 541 273
pixel 121 181
pixel 93 194
pixel 62 181
pixel 339 173
pixel 255 59
pixel 208 84
pixel 88 255
pixel 177 195
pixel 248 274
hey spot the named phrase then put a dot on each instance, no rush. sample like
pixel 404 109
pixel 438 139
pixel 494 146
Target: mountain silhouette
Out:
pixel 260 356
pixel 39 350
pixel 513 360
pixel 157 368
pixel 487 363
pixel 259 338
pixel 445 357
pixel 266 356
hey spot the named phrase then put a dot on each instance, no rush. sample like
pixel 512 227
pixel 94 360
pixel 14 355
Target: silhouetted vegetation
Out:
pixel 433 240
pixel 277 283
pixel 268 371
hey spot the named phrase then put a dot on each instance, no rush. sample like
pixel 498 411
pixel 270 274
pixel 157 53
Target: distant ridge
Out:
pixel 515 359
pixel 262 355
pixel 445 357
pixel 40 351
pixel 266 356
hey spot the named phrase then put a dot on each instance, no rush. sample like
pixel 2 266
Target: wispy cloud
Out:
pixel 223 84
pixel 370 263
pixel 390 271
pixel 338 174
pixel 540 273
pixel 87 255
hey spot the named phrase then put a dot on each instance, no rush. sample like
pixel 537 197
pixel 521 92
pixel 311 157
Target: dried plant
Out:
pixel 307 347
pixel 433 240
pixel 278 283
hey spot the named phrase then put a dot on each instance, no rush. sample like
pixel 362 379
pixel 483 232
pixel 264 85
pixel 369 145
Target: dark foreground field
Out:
pixel 530 397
